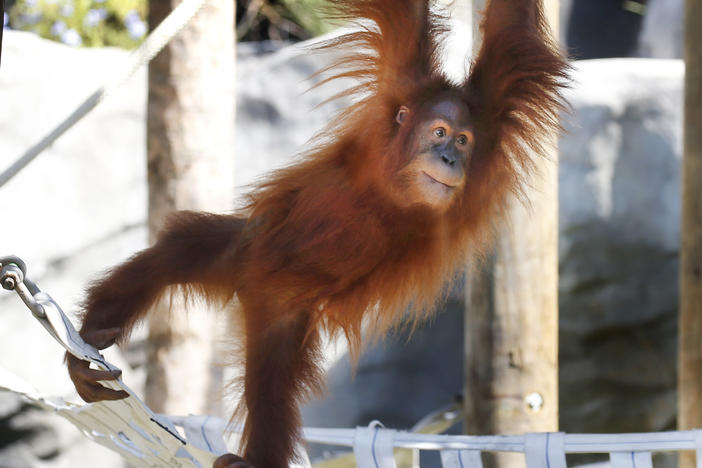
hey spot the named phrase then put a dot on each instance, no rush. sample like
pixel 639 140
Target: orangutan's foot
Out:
pixel 229 460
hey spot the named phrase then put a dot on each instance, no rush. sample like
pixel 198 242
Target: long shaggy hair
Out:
pixel 327 221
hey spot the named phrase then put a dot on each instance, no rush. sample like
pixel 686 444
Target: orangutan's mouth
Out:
pixel 436 181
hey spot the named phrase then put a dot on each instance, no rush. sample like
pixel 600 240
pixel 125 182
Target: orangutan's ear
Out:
pixel 402 114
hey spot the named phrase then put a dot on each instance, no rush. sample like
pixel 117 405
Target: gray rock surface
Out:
pixel 619 234
pixel 73 212
pixel 80 208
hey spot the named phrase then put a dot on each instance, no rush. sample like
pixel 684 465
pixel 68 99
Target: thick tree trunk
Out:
pixel 190 154
pixel 690 371
pixel 511 339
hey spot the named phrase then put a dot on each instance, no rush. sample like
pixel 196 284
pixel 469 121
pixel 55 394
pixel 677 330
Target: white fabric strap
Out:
pixel 204 432
pixel 545 450
pixel 372 447
pixel 698 447
pixel 461 459
pixel 631 460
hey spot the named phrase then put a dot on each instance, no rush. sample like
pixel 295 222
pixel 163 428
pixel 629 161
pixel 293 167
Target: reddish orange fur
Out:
pixel 322 244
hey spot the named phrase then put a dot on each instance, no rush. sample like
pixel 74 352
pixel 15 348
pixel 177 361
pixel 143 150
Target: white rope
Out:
pixel 151 46
pixel 572 443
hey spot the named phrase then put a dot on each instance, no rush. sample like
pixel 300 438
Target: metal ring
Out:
pixel 10 259
pixel 11 276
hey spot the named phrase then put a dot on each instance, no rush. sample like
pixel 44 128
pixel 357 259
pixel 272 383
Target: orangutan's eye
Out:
pixel 465 139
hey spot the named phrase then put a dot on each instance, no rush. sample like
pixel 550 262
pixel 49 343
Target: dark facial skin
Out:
pixel 442 146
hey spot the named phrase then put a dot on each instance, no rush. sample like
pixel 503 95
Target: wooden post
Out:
pixel 511 325
pixel 190 152
pixel 690 322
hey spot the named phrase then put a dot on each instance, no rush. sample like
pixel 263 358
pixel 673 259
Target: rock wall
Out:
pixel 619 236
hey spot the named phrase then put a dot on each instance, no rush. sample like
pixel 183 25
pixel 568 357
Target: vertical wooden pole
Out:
pixel 690 321
pixel 511 334
pixel 190 138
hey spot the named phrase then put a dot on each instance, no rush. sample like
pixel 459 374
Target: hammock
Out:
pixel 146 439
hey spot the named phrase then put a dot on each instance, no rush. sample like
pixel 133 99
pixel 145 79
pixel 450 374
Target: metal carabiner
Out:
pixel 13 277
pixel 10 277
